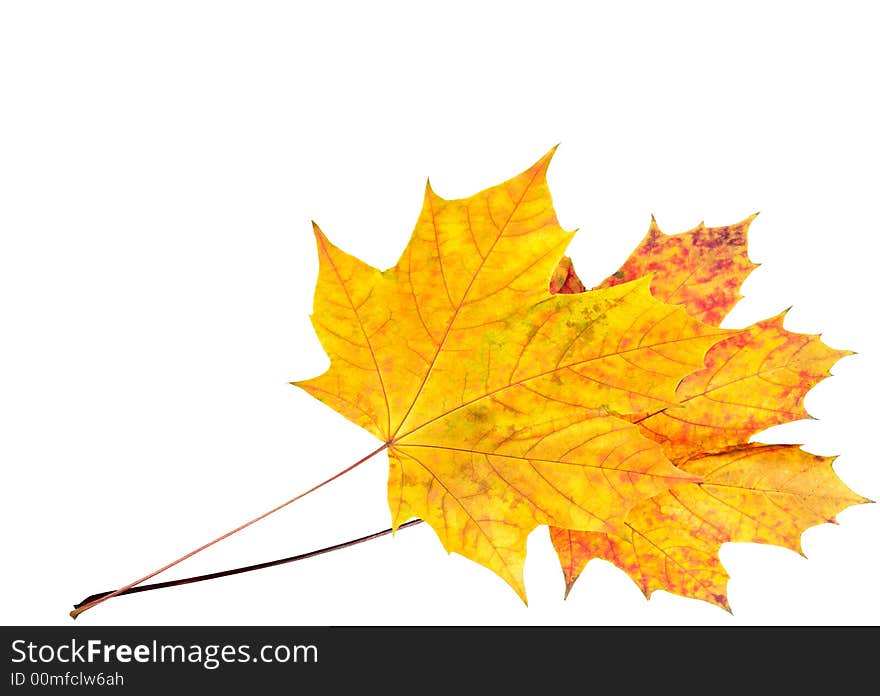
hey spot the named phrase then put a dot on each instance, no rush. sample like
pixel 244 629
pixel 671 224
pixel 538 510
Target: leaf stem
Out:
pixel 88 605
pixel 247 569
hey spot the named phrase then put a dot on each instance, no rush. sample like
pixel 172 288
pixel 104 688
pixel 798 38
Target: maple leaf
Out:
pixel 502 406
pixel 755 379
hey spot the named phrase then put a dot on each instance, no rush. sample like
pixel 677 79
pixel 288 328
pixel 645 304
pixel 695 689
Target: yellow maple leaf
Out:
pixel 755 379
pixel 502 406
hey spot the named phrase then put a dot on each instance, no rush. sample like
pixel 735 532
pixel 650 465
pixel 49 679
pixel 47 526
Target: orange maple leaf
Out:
pixel 501 405
pixel 701 269
pixel 753 380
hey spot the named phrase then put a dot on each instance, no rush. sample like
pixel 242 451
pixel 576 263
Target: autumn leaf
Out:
pixel 502 406
pixel 507 396
pixel 755 379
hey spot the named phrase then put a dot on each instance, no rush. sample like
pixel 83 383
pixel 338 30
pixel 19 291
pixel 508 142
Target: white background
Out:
pixel 160 166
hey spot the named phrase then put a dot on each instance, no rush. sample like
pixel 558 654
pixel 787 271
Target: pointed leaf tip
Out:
pixel 544 162
pixel 318 232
